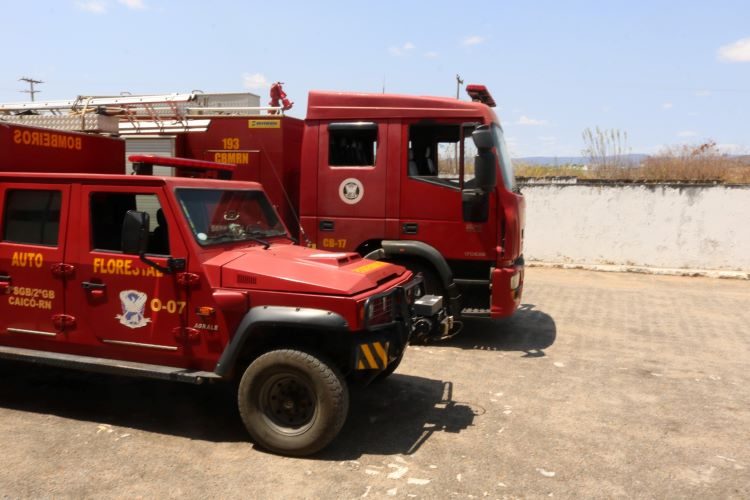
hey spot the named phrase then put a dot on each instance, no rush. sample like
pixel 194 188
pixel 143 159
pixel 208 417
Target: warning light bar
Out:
pixel 184 167
pixel 479 93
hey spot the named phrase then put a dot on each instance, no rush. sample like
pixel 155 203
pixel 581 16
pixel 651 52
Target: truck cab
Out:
pixel 398 178
pixel 195 279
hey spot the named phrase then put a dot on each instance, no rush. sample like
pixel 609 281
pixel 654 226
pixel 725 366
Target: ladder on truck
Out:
pixel 127 114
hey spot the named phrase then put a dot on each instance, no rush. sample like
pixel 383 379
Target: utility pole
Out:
pixel 459 82
pixel 31 83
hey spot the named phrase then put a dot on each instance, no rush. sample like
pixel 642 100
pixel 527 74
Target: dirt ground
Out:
pixel 603 385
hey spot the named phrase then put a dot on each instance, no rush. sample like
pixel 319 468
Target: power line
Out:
pixel 31 83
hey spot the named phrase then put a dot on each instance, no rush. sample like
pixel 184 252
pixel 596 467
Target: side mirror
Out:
pixel 135 232
pixel 485 170
pixel 485 162
pixel 482 137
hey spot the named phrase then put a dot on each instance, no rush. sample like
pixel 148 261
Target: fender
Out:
pixel 276 316
pixel 400 248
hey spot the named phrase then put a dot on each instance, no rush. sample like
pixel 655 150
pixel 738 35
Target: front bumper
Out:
pixel 507 289
pixel 387 327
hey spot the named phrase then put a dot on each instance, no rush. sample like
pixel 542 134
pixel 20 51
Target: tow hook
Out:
pixel 431 321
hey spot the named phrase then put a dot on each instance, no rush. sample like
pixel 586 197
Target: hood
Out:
pixel 296 269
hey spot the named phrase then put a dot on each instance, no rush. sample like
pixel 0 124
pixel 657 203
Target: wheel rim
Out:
pixel 288 403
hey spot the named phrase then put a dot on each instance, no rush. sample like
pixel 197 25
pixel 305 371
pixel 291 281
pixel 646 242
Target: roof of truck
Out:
pixel 135 180
pixel 325 105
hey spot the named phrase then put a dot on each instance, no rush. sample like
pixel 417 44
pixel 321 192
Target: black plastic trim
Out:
pixel 276 316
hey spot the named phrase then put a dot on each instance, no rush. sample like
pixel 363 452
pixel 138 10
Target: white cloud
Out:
pixel 703 93
pixel 525 120
pixel 93 6
pixel 738 51
pixel 687 133
pixel 255 81
pixel 431 55
pixel 133 4
pixel 472 40
pixel 547 138
pixel 667 105
pixel 402 50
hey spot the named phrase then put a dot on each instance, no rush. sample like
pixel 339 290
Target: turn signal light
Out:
pixel 205 311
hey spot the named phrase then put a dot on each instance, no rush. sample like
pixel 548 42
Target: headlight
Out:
pixel 380 310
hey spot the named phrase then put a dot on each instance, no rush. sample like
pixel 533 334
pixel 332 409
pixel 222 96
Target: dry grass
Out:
pixel 686 163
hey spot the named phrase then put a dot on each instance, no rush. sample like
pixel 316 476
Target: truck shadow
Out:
pixel 529 331
pixel 395 416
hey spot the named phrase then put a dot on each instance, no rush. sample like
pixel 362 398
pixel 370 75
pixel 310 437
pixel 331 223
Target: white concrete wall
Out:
pixel 662 226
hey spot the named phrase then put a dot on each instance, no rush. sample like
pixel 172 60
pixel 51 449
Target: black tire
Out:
pixel 433 285
pixel 292 402
pixel 390 368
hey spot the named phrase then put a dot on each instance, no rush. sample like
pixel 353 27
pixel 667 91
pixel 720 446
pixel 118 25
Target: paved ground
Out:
pixel 603 385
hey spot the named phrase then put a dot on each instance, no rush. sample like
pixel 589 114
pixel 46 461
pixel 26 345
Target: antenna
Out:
pixel 459 82
pixel 31 83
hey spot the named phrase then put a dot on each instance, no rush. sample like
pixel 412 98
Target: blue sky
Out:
pixel 664 72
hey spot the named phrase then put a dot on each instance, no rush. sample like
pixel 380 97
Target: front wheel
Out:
pixel 292 402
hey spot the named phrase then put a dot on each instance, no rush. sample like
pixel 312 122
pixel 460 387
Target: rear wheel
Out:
pixel 433 285
pixel 292 402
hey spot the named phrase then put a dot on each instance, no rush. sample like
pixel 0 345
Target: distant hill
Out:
pixel 552 161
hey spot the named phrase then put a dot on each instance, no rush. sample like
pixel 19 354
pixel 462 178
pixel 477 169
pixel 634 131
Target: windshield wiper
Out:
pixel 253 236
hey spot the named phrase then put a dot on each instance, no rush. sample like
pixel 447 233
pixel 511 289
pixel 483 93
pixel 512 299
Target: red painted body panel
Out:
pixel 265 151
pixel 34 149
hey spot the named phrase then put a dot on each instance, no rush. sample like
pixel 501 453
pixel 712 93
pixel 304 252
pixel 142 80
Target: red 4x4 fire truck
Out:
pixel 191 279
pixel 421 181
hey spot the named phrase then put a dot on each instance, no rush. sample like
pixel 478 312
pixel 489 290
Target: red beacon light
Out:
pixel 184 167
pixel 479 93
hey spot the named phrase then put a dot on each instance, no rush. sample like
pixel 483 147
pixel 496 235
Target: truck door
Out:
pixel 351 184
pixel 438 167
pixel 118 300
pixel 31 251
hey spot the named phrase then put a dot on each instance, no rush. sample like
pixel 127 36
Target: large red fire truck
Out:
pixel 391 177
pixel 190 278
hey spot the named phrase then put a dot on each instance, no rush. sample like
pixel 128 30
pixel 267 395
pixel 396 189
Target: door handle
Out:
pixel 94 289
pixel 5 280
pixel 410 228
pixel 326 225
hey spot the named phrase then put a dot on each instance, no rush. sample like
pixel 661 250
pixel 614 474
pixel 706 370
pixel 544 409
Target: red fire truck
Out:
pixel 190 278
pixel 425 182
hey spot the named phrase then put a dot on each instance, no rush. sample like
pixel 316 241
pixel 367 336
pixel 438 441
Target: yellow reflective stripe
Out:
pixel 380 351
pixel 361 365
pixel 370 359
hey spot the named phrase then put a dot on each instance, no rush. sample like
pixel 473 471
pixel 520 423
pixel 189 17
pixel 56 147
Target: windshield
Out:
pixel 506 167
pixel 221 216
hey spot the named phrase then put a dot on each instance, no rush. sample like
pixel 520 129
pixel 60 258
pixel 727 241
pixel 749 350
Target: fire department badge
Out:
pixel 351 191
pixel 133 305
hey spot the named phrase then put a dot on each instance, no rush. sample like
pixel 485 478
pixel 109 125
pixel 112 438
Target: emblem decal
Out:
pixel 351 191
pixel 133 305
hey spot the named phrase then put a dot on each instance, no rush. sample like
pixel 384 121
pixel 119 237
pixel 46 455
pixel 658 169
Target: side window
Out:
pixel 352 144
pixel 469 152
pixel 108 212
pixel 441 152
pixel 32 216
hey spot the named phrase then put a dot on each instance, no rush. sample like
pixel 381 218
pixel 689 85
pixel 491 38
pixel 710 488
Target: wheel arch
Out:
pixel 427 254
pixel 271 327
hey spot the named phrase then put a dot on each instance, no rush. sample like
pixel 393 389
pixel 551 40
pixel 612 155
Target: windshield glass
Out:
pixel 221 216
pixel 506 167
